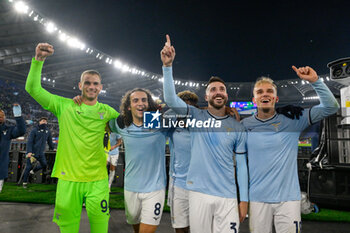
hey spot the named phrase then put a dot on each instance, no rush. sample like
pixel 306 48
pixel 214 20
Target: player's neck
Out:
pixel 266 115
pixel 137 121
pixel 217 112
pixel 89 102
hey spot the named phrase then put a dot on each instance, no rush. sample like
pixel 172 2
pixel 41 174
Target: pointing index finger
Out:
pixel 295 69
pixel 168 42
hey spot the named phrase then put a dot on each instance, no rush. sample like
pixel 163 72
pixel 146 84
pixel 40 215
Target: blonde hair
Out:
pixel 263 80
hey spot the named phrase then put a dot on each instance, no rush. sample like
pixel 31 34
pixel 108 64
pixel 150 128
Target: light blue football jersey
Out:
pixel 180 156
pixel 211 169
pixel 113 139
pixel 273 150
pixel 144 157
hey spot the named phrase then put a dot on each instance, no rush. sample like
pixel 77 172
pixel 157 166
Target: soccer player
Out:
pixel 145 175
pixel 113 155
pixel 274 191
pixel 36 144
pixel 180 156
pixel 7 133
pixel 80 164
pixel 213 204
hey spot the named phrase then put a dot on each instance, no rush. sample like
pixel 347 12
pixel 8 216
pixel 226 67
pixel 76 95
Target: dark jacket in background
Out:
pixel 38 137
pixel 7 133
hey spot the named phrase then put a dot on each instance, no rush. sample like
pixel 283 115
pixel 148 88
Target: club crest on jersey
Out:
pixel 101 115
pixel 4 132
pixel 228 130
pixel 276 125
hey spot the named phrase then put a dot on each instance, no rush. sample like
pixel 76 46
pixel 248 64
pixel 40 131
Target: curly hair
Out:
pixel 189 96
pixel 125 104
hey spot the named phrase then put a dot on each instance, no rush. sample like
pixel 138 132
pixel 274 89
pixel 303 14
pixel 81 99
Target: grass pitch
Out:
pixel 46 194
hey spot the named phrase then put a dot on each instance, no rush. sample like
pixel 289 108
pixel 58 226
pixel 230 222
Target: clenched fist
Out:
pixel 42 51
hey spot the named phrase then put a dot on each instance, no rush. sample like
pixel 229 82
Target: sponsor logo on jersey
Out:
pixel 79 112
pixel 156 218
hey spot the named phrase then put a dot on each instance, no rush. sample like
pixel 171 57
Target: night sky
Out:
pixel 236 40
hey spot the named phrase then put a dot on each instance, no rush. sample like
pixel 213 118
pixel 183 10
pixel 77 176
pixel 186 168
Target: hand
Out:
pixel 29 155
pixel 306 73
pixel 243 210
pixel 232 112
pixel 42 51
pixel 78 100
pixel 167 54
pixel 291 111
pixel 17 111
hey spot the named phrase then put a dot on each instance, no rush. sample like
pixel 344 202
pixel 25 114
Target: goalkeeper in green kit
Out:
pixel 80 164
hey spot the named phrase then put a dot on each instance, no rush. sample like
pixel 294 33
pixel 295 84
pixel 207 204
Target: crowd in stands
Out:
pixel 11 93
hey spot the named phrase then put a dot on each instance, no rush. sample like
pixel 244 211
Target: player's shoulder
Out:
pixel 105 106
pixel 248 120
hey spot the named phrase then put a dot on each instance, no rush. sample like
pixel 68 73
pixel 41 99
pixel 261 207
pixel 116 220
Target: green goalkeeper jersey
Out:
pixel 80 155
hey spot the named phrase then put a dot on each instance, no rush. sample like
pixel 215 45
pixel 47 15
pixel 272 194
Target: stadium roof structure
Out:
pixel 22 28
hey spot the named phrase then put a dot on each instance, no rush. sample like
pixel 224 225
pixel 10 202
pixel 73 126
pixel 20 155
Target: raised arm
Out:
pixel 328 104
pixel 33 84
pixel 171 99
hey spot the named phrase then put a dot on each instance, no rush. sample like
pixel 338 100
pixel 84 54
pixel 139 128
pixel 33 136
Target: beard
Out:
pixel 85 96
pixel 218 106
pixel 267 109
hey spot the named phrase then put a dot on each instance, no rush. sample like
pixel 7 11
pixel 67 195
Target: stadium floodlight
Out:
pixel 125 68
pixel 31 13
pixel 44 78
pixel 53 81
pixel 143 73
pixel 118 64
pixel 21 7
pixel 36 18
pixel 302 82
pixel 63 36
pixel 75 43
pixel 49 80
pixel 327 78
pixel 50 27
pixel 322 79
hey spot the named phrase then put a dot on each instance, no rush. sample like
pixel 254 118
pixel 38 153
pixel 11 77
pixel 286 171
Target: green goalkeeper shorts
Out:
pixel 70 197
